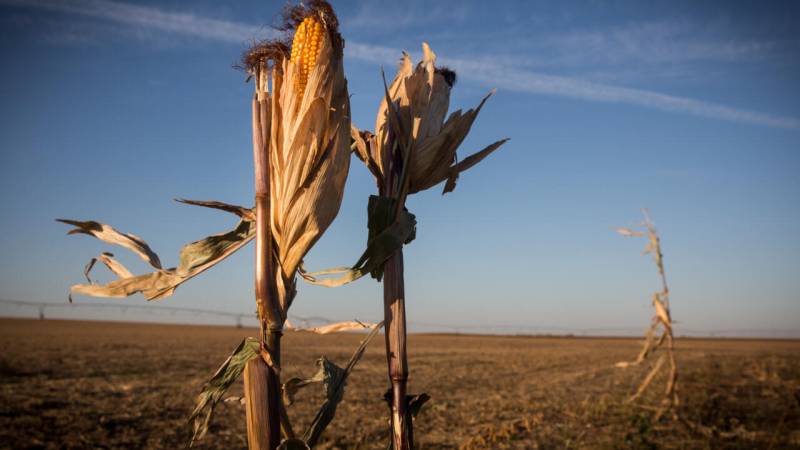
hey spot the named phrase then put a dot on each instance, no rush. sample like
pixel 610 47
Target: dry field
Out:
pixel 70 384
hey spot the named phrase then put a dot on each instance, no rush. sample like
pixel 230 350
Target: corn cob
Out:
pixel 308 40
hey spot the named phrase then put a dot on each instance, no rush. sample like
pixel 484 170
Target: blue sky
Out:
pixel 111 109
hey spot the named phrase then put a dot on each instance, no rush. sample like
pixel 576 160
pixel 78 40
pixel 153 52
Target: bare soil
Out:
pixel 69 384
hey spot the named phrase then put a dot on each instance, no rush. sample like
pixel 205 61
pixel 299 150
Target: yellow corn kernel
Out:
pixel 308 39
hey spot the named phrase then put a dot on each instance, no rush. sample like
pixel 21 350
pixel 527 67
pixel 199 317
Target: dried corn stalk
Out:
pixel 413 149
pixel 661 319
pixel 301 144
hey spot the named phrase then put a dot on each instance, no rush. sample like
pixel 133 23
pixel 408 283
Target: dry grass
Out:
pixel 114 385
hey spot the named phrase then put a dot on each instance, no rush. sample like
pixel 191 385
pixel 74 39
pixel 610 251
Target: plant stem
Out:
pixel 259 383
pixel 394 313
pixel 262 382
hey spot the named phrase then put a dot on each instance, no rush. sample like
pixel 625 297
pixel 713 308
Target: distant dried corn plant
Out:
pixel 301 148
pixel 662 319
pixel 413 149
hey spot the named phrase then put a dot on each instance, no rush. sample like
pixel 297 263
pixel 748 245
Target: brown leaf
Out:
pixel 627 232
pixel 469 162
pixel 113 265
pixel 353 325
pixel 108 234
pixel 195 258
pixel 218 384
pixel 241 211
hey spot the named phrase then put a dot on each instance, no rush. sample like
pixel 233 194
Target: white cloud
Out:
pixel 392 15
pixel 149 17
pixel 503 76
pixel 660 43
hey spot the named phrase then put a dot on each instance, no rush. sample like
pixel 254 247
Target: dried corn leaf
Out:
pixel 215 388
pixel 241 211
pixel 108 234
pixel 469 162
pixel 364 144
pixel 334 379
pixel 353 325
pixel 199 255
pixel 153 285
pixel 661 312
pixel 386 236
pixel 195 258
pixel 648 379
pixel 648 346
pixel 113 265
pixel 291 387
pixel 627 232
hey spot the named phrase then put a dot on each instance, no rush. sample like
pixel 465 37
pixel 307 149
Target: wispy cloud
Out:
pixel 532 82
pixel 661 42
pixel 483 70
pixel 386 16
pixel 149 17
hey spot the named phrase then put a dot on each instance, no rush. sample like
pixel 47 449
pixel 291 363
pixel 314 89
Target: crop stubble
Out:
pixel 69 384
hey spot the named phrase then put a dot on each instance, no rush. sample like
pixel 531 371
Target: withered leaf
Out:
pixel 334 378
pixel 336 327
pixel 195 257
pixel 241 211
pixel 469 162
pixel 215 388
pixel 108 234
pixel 113 265
pixel 386 236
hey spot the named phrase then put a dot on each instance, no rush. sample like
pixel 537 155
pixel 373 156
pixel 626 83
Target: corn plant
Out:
pixel 413 149
pixel 662 319
pixel 301 148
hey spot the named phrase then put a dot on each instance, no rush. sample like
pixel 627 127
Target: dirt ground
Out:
pixel 69 384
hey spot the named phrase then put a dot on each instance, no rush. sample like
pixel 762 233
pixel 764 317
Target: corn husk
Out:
pixel 308 141
pixel 420 98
